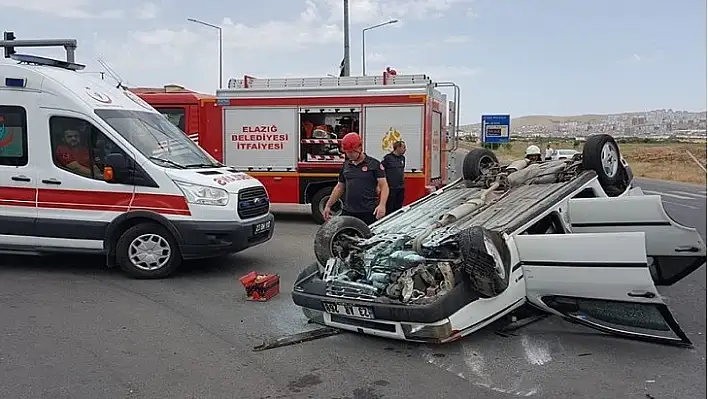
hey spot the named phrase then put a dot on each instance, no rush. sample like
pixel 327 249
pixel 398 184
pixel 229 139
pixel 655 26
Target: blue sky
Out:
pixel 520 57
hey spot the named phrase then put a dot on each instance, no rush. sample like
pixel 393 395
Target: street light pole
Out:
pixel 347 62
pixel 363 42
pixel 221 47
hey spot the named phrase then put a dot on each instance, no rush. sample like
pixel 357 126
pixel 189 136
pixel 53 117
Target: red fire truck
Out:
pixel 286 132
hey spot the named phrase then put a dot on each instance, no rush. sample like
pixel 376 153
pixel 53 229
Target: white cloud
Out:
pixel 458 39
pixel 63 8
pixel 306 44
pixel 375 11
pixel 471 13
pixel 147 11
pixel 440 72
pixel 375 57
pixel 633 59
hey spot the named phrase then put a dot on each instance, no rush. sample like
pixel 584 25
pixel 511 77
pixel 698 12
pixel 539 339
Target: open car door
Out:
pixel 601 280
pixel 674 251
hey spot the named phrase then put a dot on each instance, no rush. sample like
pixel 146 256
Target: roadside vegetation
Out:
pixel 663 160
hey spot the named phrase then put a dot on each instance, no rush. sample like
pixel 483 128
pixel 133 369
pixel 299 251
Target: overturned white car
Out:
pixel 571 237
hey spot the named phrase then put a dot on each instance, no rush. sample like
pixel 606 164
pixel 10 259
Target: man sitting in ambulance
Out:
pixel 75 156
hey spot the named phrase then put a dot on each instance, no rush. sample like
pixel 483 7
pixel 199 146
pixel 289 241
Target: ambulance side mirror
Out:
pixel 115 168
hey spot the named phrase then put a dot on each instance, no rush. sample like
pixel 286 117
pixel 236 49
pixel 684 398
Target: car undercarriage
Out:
pixel 419 265
pixel 490 238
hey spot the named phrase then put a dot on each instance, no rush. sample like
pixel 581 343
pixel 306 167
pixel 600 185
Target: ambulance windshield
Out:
pixel 157 138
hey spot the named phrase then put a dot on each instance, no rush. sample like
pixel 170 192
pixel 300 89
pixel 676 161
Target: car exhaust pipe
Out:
pixel 454 215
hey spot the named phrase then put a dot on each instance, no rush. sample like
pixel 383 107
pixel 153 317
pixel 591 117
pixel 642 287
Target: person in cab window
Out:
pixel 359 179
pixel 73 155
pixel 395 164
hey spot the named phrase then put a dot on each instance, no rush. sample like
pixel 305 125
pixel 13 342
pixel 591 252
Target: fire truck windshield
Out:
pixel 157 138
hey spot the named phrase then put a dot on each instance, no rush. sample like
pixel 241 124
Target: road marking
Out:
pixel 683 197
pixel 679 204
pixel 475 370
pixel 537 353
pixel 696 195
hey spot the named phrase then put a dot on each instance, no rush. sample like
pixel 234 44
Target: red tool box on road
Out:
pixel 260 287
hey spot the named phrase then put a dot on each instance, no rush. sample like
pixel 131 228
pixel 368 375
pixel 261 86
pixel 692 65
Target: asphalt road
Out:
pixel 73 329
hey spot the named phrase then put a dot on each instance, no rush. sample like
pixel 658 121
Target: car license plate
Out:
pixel 346 309
pixel 262 227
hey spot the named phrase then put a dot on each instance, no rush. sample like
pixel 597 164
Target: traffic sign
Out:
pixel 496 128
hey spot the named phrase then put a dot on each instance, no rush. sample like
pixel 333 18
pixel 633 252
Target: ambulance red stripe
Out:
pixel 106 201
pixel 17 196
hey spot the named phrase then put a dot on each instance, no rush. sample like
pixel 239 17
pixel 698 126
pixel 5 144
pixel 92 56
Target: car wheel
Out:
pixel 307 272
pixel 476 161
pixel 148 250
pixel 485 259
pixel 319 200
pixel 328 239
pixel 601 154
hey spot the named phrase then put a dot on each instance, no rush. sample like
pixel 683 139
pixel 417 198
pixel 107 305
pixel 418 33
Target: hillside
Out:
pixel 545 120
pixel 551 120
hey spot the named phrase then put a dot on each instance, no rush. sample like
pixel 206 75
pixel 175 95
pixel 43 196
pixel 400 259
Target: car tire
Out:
pixel 319 200
pixel 475 161
pixel 307 271
pixel 488 276
pixel 602 155
pixel 162 256
pixel 328 234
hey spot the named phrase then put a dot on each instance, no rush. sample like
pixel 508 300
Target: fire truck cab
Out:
pixel 184 108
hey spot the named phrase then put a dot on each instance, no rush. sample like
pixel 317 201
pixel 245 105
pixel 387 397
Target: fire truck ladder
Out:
pixel 365 82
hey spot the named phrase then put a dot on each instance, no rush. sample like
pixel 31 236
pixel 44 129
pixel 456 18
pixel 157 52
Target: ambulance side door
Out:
pixel 18 170
pixel 75 204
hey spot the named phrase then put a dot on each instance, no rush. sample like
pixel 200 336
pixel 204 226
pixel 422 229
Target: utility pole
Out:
pixel 347 63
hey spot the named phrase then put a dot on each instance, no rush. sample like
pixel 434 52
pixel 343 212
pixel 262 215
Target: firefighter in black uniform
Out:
pixel 395 164
pixel 360 179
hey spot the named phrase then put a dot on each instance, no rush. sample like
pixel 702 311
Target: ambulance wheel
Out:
pixel 476 161
pixel 148 250
pixel 319 200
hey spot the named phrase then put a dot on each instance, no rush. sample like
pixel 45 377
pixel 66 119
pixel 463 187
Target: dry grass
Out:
pixel 663 161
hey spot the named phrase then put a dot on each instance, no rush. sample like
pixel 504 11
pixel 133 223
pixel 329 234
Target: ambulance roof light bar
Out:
pixel 36 60
pixel 9 43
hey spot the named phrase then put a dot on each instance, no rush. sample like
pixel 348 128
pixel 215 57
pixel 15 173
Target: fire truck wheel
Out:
pixel 476 161
pixel 319 200
pixel 148 250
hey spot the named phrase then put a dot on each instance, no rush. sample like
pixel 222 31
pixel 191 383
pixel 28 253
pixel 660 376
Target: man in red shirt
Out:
pixel 72 155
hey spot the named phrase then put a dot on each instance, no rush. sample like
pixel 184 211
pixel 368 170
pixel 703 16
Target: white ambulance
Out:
pixel 86 166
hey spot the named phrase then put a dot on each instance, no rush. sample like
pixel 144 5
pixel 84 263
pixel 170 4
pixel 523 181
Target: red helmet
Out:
pixel 351 142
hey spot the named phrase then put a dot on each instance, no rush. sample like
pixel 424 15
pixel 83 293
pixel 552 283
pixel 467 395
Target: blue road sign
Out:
pixel 496 128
